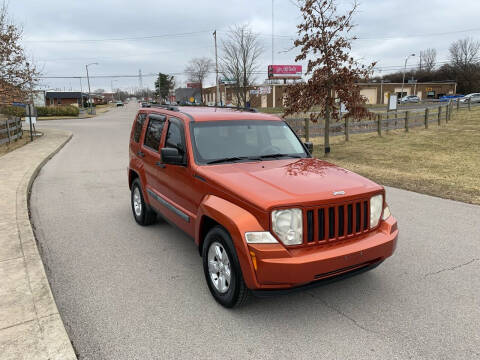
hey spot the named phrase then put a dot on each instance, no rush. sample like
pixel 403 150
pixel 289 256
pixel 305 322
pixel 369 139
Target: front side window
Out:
pixel 228 141
pixel 137 131
pixel 154 131
pixel 175 136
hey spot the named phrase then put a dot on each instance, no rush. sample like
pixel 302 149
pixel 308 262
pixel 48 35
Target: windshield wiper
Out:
pixel 233 158
pixel 280 155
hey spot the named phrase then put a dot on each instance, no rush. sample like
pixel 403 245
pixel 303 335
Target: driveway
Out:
pixel 131 292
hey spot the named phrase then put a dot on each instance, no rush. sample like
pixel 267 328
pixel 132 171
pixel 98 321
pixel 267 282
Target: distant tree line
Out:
pixel 463 67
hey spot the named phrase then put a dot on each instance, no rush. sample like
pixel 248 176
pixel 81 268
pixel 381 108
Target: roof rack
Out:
pixel 166 107
pixel 235 108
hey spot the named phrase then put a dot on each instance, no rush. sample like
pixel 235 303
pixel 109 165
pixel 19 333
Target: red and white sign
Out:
pixel 284 71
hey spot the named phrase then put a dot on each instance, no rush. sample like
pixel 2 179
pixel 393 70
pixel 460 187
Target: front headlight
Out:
pixel 376 207
pixel 287 224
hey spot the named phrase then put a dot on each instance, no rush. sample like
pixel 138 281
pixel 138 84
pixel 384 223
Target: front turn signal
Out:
pixel 254 260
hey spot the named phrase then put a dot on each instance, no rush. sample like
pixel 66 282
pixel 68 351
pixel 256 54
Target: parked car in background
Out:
pixel 472 98
pixel 409 99
pixel 266 215
pixel 119 103
pixel 446 98
pixel 145 105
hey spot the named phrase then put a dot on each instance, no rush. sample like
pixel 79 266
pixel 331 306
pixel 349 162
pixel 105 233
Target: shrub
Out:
pixel 16 111
pixel 63 110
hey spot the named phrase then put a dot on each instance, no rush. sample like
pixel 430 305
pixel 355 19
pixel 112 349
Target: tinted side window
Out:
pixel 138 127
pixel 154 132
pixel 175 136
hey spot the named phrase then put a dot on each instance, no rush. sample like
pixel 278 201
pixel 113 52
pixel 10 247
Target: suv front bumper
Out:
pixel 281 268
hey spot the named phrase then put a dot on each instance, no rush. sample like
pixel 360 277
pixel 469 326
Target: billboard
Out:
pixel 193 85
pixel 284 71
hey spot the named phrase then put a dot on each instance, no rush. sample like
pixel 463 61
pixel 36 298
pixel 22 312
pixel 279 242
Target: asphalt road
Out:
pixel 131 292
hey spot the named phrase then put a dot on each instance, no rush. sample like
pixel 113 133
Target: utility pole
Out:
pixel 111 87
pixel 405 69
pixel 81 93
pixel 217 93
pixel 89 91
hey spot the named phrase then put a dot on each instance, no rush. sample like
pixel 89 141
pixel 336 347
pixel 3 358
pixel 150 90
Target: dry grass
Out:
pixel 441 161
pixel 6 148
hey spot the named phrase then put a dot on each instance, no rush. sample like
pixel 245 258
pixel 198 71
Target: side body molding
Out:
pixel 237 221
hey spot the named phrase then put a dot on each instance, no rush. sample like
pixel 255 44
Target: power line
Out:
pixel 119 39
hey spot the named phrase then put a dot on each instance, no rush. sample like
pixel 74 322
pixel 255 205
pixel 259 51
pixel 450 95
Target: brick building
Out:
pixel 56 98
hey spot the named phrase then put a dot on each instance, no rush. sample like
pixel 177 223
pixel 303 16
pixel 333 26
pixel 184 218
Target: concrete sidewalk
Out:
pixel 30 325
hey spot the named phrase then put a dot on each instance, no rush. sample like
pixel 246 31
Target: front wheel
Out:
pixel 142 213
pixel 222 269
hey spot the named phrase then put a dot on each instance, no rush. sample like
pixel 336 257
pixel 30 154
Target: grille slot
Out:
pixel 358 216
pixel 310 225
pixel 365 215
pixel 321 224
pixel 350 219
pixel 341 217
pixel 330 223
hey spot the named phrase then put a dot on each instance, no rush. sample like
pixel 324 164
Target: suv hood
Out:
pixel 268 184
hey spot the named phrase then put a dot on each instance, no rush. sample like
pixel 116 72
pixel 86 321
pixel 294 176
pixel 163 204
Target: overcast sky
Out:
pixel 389 30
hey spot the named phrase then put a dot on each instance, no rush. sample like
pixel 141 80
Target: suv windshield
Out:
pixel 243 140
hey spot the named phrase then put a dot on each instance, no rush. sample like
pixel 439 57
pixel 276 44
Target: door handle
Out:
pixel 141 154
pixel 160 164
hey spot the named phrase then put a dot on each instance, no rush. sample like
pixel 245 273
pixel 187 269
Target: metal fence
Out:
pixel 381 121
pixel 10 129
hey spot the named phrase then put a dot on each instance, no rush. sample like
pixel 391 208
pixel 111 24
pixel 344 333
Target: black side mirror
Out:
pixel 309 146
pixel 171 156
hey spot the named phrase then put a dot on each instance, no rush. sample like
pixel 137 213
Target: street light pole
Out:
pixel 111 87
pixel 405 69
pixel 272 33
pixel 89 91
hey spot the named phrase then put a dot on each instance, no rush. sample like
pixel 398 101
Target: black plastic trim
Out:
pixel 169 206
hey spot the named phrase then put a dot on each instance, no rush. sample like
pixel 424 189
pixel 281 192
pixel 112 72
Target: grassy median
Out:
pixel 441 161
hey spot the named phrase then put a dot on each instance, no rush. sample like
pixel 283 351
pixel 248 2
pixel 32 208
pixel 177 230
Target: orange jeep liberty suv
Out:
pixel 266 216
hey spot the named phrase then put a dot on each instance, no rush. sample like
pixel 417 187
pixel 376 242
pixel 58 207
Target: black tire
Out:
pixel 237 292
pixel 146 215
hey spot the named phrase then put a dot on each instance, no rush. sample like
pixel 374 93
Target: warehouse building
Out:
pixel 263 96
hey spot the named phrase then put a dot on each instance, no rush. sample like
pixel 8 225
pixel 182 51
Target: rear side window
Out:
pixel 154 131
pixel 138 127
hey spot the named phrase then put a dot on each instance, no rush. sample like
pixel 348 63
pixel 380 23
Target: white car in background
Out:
pixel 409 99
pixel 473 98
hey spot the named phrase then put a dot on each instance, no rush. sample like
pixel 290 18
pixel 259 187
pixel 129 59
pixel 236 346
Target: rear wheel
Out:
pixel 142 213
pixel 222 269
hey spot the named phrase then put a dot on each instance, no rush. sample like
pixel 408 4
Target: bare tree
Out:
pixel 428 59
pixel 198 69
pixel 464 52
pixel 465 64
pixel 17 74
pixel 323 40
pixel 241 51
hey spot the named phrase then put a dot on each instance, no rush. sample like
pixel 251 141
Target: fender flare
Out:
pixel 236 221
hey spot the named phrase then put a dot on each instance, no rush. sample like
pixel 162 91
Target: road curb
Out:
pixel 41 334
